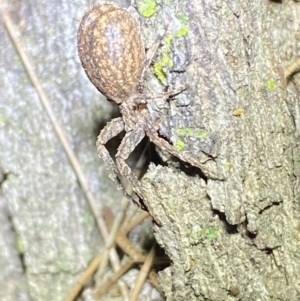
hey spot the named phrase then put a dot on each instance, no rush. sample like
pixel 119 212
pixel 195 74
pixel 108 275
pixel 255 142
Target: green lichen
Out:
pixel 168 42
pixel 201 134
pixel 20 245
pixel 227 10
pixel 183 18
pixel 297 161
pixel 211 232
pixel 179 145
pixel 251 119
pixel 227 165
pixel 165 2
pixel 147 8
pixel 170 210
pixel 182 32
pixel 158 67
pixel 165 61
pixel 184 131
pixel 271 85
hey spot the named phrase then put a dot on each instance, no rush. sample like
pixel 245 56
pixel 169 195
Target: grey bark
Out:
pixel 235 239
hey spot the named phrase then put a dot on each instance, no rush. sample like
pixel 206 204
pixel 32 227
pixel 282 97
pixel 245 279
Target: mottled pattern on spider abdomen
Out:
pixel 111 50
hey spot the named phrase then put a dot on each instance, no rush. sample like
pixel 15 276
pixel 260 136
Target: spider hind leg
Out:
pixel 127 146
pixel 111 130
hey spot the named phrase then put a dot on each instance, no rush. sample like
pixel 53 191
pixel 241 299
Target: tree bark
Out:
pixel 235 239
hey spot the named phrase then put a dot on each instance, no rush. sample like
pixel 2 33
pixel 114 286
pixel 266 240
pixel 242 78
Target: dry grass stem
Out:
pixel 143 215
pixel 84 278
pixel 142 275
pixel 105 287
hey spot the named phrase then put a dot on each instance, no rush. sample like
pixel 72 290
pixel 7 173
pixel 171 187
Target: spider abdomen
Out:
pixel 111 50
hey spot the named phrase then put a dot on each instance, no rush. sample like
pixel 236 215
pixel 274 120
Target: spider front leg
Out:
pixel 160 142
pixel 111 130
pixel 127 146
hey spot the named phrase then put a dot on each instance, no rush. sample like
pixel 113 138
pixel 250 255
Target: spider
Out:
pixel 113 56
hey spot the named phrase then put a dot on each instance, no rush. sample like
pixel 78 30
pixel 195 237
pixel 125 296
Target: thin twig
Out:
pixel 62 137
pixel 130 215
pixel 153 279
pixel 115 277
pixel 129 248
pixel 111 237
pixel 143 274
pixel 143 215
pixel 84 278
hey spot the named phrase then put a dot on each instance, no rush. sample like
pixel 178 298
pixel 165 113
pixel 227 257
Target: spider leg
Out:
pixel 111 130
pixel 127 146
pixel 154 137
pixel 152 51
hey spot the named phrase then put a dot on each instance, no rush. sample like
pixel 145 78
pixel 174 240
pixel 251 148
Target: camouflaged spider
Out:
pixel 113 56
